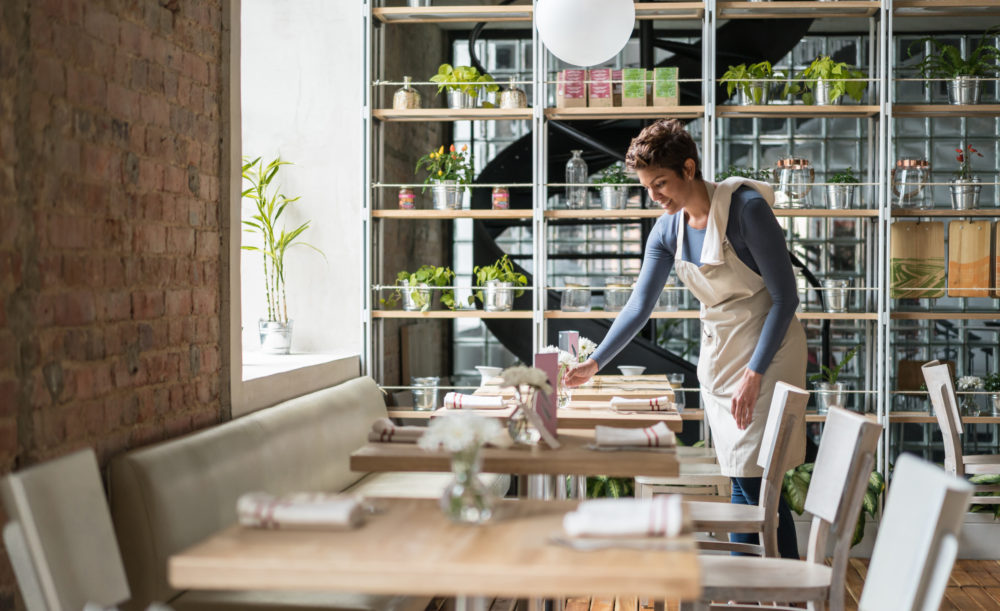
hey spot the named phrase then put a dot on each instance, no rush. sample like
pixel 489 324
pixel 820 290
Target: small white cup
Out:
pixel 487 372
pixel 631 370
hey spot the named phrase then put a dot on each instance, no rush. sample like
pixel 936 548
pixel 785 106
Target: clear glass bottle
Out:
pixel 576 173
pixel 406 96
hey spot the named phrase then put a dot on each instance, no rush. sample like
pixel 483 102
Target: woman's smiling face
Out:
pixel 666 187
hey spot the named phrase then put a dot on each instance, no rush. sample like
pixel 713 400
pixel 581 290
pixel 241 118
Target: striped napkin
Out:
pixel 456 400
pixel 656 436
pixel 660 516
pixel 384 431
pixel 300 510
pixel 658 404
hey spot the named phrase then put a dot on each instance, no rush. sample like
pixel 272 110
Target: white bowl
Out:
pixel 631 370
pixel 487 373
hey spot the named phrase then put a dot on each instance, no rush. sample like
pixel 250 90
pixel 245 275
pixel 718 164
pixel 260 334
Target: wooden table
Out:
pixel 584 415
pixel 570 459
pixel 412 548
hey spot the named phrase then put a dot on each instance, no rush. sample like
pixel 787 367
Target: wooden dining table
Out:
pixel 408 546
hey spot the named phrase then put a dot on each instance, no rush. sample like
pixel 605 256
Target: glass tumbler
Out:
pixel 677 381
pixel 617 290
pixel 576 174
pixel 576 296
pixel 425 392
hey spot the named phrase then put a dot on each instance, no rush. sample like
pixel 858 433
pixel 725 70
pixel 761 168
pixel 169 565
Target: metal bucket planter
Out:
pixel 965 193
pixel 754 93
pixel 614 197
pixel 275 337
pixel 458 99
pixel 995 404
pixel 964 90
pixel 836 297
pixel 840 197
pixel 418 2
pixel 830 395
pixel 823 94
pixel 498 296
pixel 447 195
pixel 415 299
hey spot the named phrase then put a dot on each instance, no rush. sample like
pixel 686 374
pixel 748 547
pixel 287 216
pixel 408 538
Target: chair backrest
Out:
pixel 941 389
pixel 788 411
pixel 918 538
pixel 61 535
pixel 843 464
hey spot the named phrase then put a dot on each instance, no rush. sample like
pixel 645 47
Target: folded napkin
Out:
pixel 656 436
pixel 299 510
pixel 658 404
pixel 456 400
pixel 383 430
pixel 660 516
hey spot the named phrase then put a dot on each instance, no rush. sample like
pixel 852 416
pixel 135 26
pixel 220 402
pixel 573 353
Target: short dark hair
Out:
pixel 664 144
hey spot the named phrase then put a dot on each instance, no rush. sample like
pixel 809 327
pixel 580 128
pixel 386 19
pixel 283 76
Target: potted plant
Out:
pixel 752 83
pixel 795 487
pixel 825 81
pixel 965 187
pixel 944 61
pixel 416 288
pixel 991 384
pixel 276 330
pixel 744 172
pixel 829 390
pixel 446 170
pixel 967 402
pixel 840 191
pixel 613 183
pixel 464 85
pixel 497 284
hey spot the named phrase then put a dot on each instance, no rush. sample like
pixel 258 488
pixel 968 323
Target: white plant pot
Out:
pixel 275 337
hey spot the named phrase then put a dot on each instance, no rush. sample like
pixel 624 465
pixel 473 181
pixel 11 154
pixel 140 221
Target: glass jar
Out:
pixel 501 198
pixel 617 290
pixel 512 97
pixel 406 199
pixel 406 97
pixel 425 392
pixel 576 174
pixel 795 177
pixel 909 183
pixel 576 295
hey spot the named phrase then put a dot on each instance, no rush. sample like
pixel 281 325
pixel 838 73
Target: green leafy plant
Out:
pixel 946 61
pixel 275 240
pixel 502 270
pixel 743 76
pixel 614 174
pixel 744 172
pixel 986 479
pixel 795 488
pixel 830 375
pixel 600 486
pixel 466 79
pixel 430 275
pixel 843 177
pixel 453 164
pixel 991 382
pixel 823 68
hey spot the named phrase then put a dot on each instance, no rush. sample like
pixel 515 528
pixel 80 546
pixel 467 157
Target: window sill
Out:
pixel 270 379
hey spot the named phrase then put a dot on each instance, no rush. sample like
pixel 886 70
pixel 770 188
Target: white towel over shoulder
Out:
pixel 457 400
pixel 300 510
pixel 656 436
pixel 660 516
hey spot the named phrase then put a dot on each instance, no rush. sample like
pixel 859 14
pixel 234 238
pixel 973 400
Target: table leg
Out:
pixel 470 603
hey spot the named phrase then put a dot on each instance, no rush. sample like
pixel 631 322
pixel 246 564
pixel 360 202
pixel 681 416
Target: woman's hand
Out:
pixel 580 373
pixel 745 398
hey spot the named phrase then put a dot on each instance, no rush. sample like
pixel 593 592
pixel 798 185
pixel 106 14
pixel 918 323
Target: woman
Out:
pixel 728 249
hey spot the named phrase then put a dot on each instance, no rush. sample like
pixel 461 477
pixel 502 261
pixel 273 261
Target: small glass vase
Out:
pixel 466 500
pixel 970 407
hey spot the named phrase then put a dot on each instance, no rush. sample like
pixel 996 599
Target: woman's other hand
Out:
pixel 580 373
pixel 745 398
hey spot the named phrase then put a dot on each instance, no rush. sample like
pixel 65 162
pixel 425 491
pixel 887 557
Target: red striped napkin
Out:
pixel 656 436
pixel 660 516
pixel 657 404
pixel 301 510
pixel 457 400
pixel 384 431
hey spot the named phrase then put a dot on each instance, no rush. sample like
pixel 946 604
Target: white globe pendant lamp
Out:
pixel 585 32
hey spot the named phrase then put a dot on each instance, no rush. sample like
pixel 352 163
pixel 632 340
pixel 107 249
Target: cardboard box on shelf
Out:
pixel 599 88
pixel 665 87
pixel 571 89
pixel 634 87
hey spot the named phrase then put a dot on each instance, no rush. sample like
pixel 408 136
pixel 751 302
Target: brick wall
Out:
pixel 110 247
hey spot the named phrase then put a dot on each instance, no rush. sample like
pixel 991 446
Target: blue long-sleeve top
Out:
pixel 757 240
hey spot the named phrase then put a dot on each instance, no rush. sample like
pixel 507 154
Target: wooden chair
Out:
pixel 60 538
pixel 846 457
pixel 917 539
pixel 945 404
pixel 788 409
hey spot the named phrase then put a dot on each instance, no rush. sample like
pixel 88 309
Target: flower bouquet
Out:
pixel 586 347
pixel 965 187
pixel 969 384
pixel 527 382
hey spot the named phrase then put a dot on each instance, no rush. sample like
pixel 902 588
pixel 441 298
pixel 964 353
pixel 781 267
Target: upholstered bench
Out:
pixel 169 496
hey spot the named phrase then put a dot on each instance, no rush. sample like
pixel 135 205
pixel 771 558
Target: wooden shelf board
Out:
pixel 625 112
pixel 796 9
pixel 797 110
pixel 694 314
pixel 944 212
pixel 453 114
pixel 946 110
pixel 823 212
pixel 945 8
pixel 927 418
pixel 452 14
pixel 628 213
pixel 451 214
pixel 945 315
pixel 450 314
pixel 837 315
pixel 669 10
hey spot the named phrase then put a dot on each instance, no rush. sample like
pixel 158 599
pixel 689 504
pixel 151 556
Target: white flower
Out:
pixel 565 359
pixel 458 432
pixel 970 383
pixel 548 349
pixel 526 376
pixel 587 348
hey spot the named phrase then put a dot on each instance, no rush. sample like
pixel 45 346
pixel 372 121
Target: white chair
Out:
pixel 788 409
pixel 945 404
pixel 60 538
pixel 917 539
pixel 845 459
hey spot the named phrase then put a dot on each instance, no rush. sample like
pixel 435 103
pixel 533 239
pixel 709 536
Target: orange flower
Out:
pixel 465 148
pixel 452 149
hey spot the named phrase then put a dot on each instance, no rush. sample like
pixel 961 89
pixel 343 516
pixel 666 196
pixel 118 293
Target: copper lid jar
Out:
pixel 909 183
pixel 795 177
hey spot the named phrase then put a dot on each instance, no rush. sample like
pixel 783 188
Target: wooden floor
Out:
pixel 974 586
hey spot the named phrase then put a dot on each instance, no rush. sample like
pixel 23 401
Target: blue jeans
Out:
pixel 746 491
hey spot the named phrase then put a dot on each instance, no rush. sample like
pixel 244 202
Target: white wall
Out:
pixel 301 98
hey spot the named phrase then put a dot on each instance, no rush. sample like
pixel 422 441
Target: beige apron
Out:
pixel 734 304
